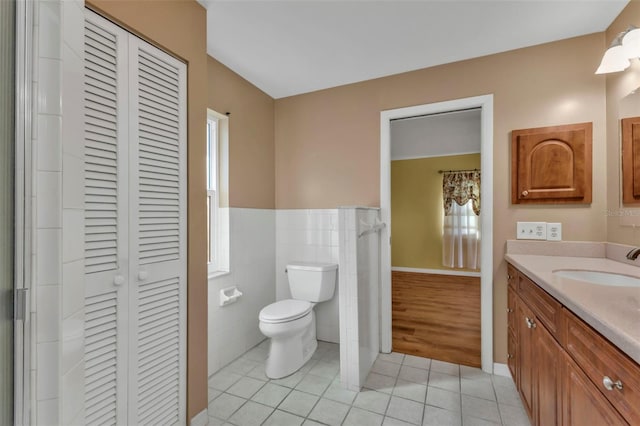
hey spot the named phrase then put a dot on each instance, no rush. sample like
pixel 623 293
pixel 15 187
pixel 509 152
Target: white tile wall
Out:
pixel 72 313
pixel 57 299
pixel 309 235
pixel 359 307
pixel 233 329
pixel 46 181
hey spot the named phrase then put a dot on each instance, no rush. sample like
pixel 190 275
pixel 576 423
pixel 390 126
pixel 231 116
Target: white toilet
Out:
pixel 291 323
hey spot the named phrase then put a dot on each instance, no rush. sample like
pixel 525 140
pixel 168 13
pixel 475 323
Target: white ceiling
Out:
pixel 436 135
pixel 291 47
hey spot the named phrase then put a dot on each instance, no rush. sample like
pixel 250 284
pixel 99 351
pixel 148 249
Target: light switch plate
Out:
pixel 554 231
pixel 531 231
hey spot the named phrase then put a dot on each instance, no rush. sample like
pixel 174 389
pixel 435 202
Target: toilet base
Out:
pixel 288 355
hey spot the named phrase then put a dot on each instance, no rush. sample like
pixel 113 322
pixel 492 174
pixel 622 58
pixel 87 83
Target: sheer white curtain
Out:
pixel 461 223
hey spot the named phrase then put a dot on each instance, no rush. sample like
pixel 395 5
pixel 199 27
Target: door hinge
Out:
pixel 20 304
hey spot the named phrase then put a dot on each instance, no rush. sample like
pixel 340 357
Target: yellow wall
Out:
pixel 416 209
pixel 328 142
pixel 179 27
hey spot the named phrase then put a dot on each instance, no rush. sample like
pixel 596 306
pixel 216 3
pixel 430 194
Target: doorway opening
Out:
pixel 483 105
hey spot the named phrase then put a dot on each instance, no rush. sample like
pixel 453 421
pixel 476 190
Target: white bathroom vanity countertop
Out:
pixel 613 311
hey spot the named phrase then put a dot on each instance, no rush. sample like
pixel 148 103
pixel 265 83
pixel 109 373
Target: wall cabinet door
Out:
pixel 582 403
pixel 135 232
pixel 552 164
pixel 631 160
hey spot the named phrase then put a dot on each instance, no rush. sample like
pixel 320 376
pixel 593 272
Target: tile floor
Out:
pixel 401 390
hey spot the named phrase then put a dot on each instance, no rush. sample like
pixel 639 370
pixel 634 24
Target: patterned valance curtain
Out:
pixel 461 223
pixel 461 187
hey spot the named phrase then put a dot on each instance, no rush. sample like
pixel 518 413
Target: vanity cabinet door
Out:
pixel 551 164
pixel 512 342
pixel 582 403
pixel 525 360
pixel 547 384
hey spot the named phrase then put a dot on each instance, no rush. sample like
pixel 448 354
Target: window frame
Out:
pixel 218 250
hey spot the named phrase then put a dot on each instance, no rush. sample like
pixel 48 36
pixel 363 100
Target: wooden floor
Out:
pixel 437 316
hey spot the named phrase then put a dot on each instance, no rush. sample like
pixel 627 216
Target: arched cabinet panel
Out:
pixel 551 164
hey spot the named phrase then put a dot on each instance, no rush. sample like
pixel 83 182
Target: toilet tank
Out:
pixel 312 281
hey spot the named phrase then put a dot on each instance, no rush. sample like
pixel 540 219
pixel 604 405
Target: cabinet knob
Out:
pixel 525 193
pixel 530 322
pixel 509 276
pixel 509 310
pixel 509 356
pixel 118 280
pixel 610 384
pixel 143 275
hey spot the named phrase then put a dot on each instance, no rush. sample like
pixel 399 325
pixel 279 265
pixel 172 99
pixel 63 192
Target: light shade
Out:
pixel 615 58
pixel 631 42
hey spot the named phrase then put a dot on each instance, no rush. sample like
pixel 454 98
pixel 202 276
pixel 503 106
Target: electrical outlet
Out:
pixel 554 231
pixel 531 230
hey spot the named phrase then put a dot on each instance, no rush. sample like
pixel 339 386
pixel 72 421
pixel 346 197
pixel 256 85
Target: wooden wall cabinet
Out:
pixel 631 160
pixel 552 165
pixel 559 362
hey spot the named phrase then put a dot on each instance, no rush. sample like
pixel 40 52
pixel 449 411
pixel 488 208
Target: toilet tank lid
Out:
pixel 312 266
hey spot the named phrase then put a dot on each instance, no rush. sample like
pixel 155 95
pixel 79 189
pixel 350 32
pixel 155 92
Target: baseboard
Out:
pixel 436 271
pixel 501 370
pixel 200 419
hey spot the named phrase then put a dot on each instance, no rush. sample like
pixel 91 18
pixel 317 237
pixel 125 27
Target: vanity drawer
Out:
pixel 546 308
pixel 599 359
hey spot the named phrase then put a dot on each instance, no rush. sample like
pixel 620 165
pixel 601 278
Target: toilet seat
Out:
pixel 285 311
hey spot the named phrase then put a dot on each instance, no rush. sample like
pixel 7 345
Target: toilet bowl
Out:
pixel 292 334
pixel 290 323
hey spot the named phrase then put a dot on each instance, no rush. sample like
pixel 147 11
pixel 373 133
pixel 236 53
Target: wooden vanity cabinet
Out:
pixel 558 363
pixel 599 359
pixel 536 363
pixel 582 403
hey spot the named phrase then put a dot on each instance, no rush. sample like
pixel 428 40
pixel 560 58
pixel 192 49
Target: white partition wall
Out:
pixel 359 274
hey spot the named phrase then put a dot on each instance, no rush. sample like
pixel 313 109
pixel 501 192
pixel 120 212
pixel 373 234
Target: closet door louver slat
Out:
pixel 158 192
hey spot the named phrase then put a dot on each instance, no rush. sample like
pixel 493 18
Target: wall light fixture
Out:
pixel 624 47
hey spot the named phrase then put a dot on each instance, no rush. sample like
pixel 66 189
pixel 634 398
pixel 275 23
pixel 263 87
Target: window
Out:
pixel 461 224
pixel 212 184
pixel 218 216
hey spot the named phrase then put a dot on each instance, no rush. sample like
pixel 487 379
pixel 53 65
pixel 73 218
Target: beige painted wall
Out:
pixel 619 85
pixel 327 142
pixel 251 136
pixel 179 27
pixel 417 209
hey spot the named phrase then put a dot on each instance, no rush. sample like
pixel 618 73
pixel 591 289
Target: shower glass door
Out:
pixel 7 144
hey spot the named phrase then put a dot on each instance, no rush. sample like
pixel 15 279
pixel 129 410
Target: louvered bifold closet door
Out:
pixel 158 230
pixel 106 233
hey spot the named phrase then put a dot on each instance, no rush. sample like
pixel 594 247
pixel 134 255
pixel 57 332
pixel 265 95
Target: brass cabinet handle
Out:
pixel 610 384
pixel 525 193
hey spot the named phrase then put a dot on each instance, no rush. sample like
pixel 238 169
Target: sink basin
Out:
pixel 600 278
